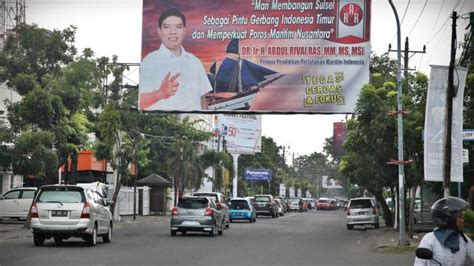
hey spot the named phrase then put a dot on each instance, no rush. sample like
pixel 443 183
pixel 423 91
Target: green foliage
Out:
pixel 469 218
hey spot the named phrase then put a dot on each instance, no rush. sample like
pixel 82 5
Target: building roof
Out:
pixel 154 180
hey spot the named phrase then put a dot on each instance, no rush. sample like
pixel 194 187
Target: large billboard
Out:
pixel 242 133
pixel 265 56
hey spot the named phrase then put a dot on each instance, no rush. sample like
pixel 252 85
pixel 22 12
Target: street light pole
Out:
pixel 401 177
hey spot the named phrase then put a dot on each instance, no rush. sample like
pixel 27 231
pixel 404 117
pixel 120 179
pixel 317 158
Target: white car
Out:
pixel 16 202
pixel 362 211
pixel 64 211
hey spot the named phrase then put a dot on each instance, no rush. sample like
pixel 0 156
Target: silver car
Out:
pixel 362 211
pixel 198 214
pixel 64 211
pixel 221 201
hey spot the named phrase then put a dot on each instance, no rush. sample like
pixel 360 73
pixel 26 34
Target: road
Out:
pixel 311 238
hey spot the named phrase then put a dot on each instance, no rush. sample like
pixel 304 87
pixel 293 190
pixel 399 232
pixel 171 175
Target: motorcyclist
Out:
pixel 450 246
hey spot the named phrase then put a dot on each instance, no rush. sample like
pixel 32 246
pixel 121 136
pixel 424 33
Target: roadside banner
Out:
pixel 262 56
pixel 435 125
pixel 242 132
pixel 291 191
pixel 282 190
pixel 258 174
pixel 330 183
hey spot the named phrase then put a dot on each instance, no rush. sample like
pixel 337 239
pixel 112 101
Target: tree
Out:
pixel 55 85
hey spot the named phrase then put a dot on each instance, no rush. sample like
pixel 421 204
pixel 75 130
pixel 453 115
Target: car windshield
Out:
pixel 190 203
pixel 63 196
pixel 238 204
pixel 262 198
pixel 361 204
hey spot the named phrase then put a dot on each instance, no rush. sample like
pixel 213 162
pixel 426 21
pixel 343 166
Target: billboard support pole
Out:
pixel 234 180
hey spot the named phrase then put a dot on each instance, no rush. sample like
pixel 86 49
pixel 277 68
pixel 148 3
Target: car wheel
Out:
pixel 38 239
pixel 92 239
pixel 108 237
pixel 231 221
pixel 58 240
pixel 350 226
pixel 213 231
pixel 376 225
pixel 173 233
pixel 221 231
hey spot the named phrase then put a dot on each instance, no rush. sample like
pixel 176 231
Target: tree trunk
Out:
pixel 74 162
pixel 118 186
pixel 387 214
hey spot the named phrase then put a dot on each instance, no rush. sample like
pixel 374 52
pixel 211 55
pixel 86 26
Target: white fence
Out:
pixel 125 201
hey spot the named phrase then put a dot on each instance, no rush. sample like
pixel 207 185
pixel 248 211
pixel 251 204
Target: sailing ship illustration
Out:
pixel 237 81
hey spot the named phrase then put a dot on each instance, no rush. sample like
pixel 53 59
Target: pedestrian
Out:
pixel 447 242
pixel 172 79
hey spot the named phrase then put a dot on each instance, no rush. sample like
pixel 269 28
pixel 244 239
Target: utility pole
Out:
pixel 449 114
pixel 401 174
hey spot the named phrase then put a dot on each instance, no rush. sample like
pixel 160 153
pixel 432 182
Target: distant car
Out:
pixel 362 211
pixel 280 207
pixel 266 205
pixel 324 204
pixel 296 204
pixel 242 209
pixel 197 214
pixel 16 202
pixel 64 211
pixel 221 203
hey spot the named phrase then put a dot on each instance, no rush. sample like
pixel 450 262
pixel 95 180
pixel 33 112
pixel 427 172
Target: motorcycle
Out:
pixel 426 254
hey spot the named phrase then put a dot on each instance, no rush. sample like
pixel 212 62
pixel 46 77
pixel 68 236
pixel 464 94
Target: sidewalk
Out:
pixel 14 229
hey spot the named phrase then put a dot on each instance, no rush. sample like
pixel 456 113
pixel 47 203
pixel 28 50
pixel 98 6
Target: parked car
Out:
pixel 280 207
pixel 197 214
pixel 296 204
pixel 362 211
pixel 64 211
pixel 324 204
pixel 242 209
pixel 16 202
pixel 221 203
pixel 265 205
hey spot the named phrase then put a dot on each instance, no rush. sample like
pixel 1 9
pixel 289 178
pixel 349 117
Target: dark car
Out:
pixel 198 214
pixel 266 205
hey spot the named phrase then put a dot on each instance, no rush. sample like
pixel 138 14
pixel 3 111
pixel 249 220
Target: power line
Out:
pixel 437 18
pixel 444 24
pixel 419 16
pixel 403 18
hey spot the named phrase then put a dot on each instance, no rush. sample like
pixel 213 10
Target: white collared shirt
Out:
pixel 193 82
pixel 444 254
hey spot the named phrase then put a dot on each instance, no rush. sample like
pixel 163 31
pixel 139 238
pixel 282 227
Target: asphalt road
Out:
pixel 311 238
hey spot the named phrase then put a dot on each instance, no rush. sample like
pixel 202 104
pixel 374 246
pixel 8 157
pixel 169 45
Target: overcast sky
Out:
pixel 113 27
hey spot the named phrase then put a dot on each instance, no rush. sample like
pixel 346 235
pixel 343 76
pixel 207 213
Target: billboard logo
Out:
pixel 351 14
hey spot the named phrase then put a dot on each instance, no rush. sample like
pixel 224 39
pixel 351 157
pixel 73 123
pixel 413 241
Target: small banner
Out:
pixel 435 125
pixel 258 174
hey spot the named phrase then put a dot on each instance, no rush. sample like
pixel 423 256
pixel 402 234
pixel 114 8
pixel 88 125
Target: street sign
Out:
pixel 465 156
pixel 468 135
pixel 258 174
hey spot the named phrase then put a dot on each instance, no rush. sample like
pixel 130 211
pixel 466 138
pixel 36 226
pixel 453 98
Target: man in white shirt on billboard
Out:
pixel 172 79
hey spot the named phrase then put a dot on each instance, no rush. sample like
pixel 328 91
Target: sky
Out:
pixel 113 27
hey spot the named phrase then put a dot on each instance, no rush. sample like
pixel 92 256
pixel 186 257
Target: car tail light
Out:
pixel 174 211
pixel 208 212
pixel 34 211
pixel 85 211
pixel 374 211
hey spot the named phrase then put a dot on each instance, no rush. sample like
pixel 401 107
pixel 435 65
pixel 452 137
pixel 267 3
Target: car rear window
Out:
pixel 193 203
pixel 295 200
pixel 239 204
pixel 361 204
pixel 324 201
pixel 210 196
pixel 61 194
pixel 262 198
